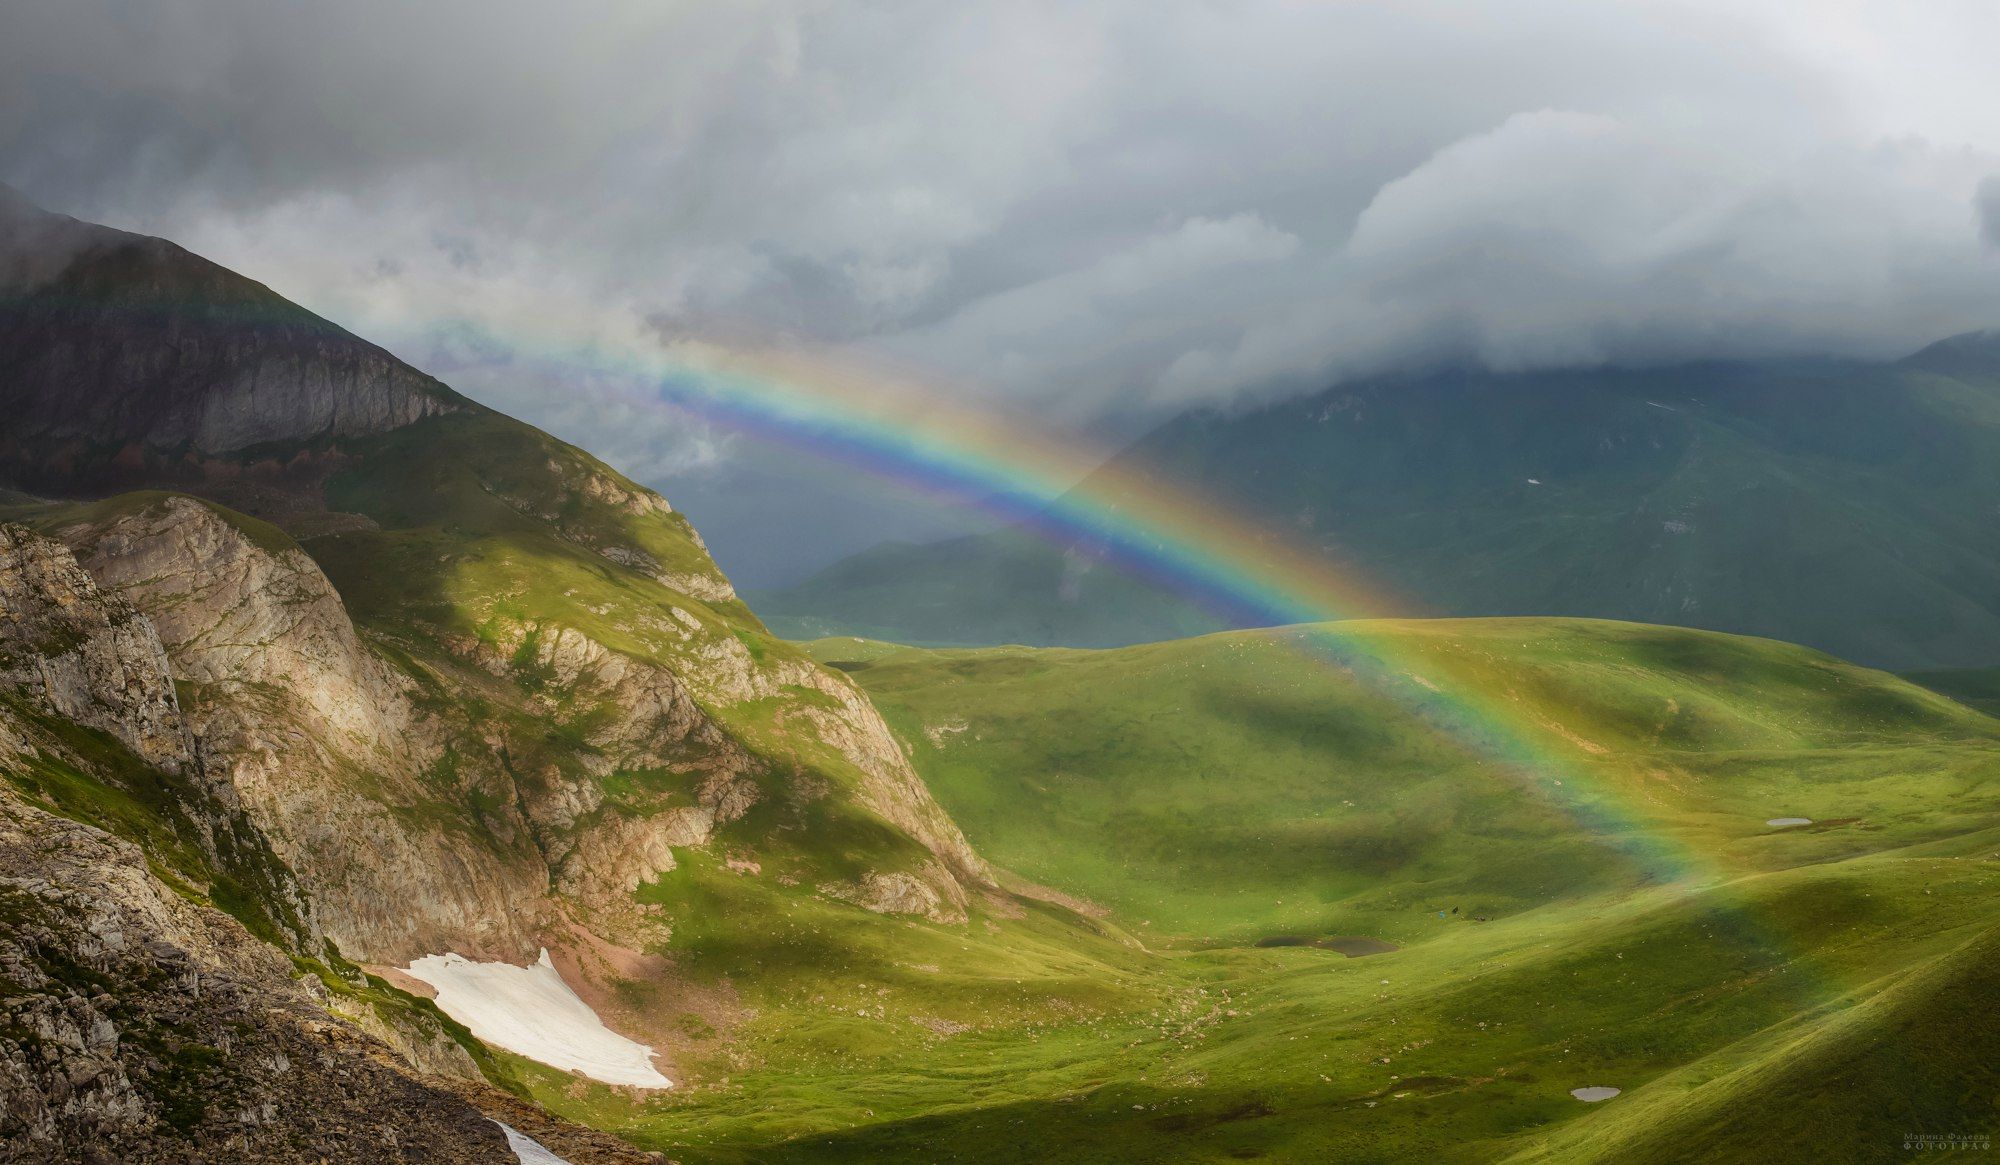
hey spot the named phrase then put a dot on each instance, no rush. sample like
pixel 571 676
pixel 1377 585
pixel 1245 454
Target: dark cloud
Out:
pixel 1987 201
pixel 1114 208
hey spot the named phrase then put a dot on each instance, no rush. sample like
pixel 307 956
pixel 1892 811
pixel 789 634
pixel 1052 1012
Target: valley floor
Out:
pixel 1813 992
pixel 1821 1012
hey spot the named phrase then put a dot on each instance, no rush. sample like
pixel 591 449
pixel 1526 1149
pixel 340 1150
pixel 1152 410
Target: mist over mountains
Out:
pixel 1843 504
pixel 1125 210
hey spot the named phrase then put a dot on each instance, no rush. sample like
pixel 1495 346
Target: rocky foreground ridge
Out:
pixel 138 1022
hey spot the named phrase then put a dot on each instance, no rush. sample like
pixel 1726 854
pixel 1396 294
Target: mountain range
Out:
pixel 1843 504
pixel 376 770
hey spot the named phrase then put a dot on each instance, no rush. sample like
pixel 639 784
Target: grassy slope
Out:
pixel 1842 505
pixel 1233 787
pixel 1200 791
pixel 1802 967
pixel 489 526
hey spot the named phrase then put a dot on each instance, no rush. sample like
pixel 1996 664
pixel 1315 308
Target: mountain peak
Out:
pixel 121 353
pixel 37 245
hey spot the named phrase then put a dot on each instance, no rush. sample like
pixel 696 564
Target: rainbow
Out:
pixel 1063 492
pixel 886 425
pixel 1206 553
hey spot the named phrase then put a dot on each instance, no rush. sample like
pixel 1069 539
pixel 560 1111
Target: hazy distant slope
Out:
pixel 1004 587
pixel 1840 504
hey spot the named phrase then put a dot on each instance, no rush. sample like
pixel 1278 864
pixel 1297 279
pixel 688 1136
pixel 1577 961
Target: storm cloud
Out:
pixel 1078 210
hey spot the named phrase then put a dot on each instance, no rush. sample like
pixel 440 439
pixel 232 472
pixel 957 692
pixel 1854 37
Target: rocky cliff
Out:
pixel 315 736
pixel 140 1027
pixel 85 657
pixel 492 834
pixel 137 1022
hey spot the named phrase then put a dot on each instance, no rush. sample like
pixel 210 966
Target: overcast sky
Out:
pixel 1079 210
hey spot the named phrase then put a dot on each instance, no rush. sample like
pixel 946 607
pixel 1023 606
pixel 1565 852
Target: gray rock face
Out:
pixel 85 656
pixel 76 653
pixel 114 344
pixel 314 735
pixel 140 1028
pixel 138 1025
pixel 656 716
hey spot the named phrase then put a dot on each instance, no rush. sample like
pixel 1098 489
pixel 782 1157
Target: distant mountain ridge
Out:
pixel 125 359
pixel 1843 504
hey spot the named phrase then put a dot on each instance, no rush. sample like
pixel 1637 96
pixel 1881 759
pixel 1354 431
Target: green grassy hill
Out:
pixel 1238 786
pixel 1844 505
pixel 1803 994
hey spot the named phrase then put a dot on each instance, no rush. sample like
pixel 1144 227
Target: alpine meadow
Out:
pixel 1000 583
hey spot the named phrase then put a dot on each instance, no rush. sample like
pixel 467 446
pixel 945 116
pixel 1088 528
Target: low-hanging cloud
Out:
pixel 1119 207
pixel 1561 239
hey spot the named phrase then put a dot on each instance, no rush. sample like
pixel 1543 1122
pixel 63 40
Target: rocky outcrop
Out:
pixel 654 716
pixel 572 480
pixel 901 893
pixel 890 785
pixel 77 654
pixel 238 617
pixel 137 1023
pixel 138 1027
pixel 322 742
pixel 315 735
pixel 84 656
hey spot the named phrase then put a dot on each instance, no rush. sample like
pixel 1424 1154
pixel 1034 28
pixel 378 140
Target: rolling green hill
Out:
pixel 1803 994
pixel 1239 786
pixel 1840 504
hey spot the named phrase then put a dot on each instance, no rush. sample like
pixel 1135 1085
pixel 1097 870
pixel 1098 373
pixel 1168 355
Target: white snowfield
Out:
pixel 530 1011
pixel 527 1148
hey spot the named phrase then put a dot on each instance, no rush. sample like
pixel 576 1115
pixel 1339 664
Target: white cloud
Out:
pixel 1561 239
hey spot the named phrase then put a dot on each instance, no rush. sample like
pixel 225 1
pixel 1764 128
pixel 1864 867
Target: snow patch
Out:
pixel 527 1148
pixel 938 733
pixel 530 1011
pixel 1788 822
